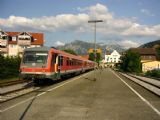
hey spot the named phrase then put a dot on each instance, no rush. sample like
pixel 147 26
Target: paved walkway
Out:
pixel 81 98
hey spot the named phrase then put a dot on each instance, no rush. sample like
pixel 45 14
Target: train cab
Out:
pixel 39 63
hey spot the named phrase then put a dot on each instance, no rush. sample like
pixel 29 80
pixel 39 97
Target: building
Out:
pixel 13 43
pixel 150 65
pixel 112 58
pixel 147 54
pixel 148 58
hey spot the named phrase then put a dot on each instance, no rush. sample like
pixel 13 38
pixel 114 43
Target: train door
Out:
pixel 58 65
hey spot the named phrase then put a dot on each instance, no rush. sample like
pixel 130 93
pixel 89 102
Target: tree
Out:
pixel 70 51
pixel 131 62
pixel 91 56
pixel 158 52
pixel 98 57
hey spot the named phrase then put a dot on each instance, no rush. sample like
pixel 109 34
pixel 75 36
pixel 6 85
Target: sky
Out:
pixel 128 23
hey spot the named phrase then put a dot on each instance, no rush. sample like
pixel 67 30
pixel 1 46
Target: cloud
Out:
pixel 98 11
pixel 59 43
pixel 129 44
pixel 66 22
pixel 141 30
pixel 48 24
pixel 147 12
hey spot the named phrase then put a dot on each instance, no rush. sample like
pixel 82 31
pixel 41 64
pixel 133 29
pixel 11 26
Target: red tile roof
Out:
pixel 144 51
pixel 38 38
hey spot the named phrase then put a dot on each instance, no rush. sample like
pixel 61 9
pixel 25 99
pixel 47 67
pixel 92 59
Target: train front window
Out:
pixel 34 57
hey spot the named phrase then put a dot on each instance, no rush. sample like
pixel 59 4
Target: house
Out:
pixel 147 54
pixel 112 58
pixel 148 58
pixel 13 43
pixel 150 65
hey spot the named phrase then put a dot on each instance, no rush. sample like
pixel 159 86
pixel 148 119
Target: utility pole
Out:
pixel 94 21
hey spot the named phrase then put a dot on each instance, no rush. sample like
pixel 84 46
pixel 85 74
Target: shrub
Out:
pixel 9 66
pixel 153 73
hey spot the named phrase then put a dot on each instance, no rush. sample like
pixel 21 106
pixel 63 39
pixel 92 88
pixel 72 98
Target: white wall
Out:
pixel 14 49
pixel 114 57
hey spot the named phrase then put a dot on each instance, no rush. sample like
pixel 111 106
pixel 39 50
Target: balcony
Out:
pixel 3 50
pixel 3 42
pixel 24 41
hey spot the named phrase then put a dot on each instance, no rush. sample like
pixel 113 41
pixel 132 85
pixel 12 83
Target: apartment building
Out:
pixel 14 43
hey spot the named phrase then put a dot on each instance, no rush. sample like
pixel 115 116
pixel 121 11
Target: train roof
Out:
pixel 65 54
pixel 44 48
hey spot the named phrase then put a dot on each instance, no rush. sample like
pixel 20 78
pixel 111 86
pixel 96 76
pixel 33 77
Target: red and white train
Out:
pixel 40 63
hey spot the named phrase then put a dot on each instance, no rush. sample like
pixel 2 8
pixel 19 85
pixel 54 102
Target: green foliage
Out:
pixel 98 57
pixel 70 51
pixel 91 56
pixel 131 62
pixel 9 66
pixel 153 73
pixel 158 52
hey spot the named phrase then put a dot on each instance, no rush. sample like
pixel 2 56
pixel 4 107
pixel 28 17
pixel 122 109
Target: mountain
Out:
pixel 152 44
pixel 81 47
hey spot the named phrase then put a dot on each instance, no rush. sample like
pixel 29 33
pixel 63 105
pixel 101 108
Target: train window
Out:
pixel 74 62
pixel 35 57
pixel 67 62
pixel 61 60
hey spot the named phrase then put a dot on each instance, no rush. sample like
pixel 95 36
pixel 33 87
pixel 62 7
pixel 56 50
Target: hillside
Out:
pixel 151 44
pixel 81 47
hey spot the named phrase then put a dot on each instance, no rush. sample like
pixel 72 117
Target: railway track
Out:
pixel 148 83
pixel 13 89
pixel 16 93
pixel 8 83
pixel 9 92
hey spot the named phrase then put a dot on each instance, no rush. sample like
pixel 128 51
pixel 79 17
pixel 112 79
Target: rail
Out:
pixel 150 84
pixel 15 90
pixel 8 83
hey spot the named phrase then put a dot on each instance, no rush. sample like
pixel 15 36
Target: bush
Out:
pixel 153 73
pixel 9 66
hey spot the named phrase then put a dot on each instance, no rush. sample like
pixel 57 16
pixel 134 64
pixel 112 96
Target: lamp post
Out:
pixel 94 21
